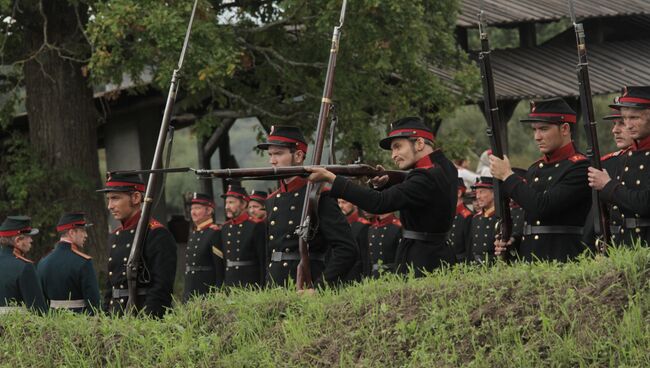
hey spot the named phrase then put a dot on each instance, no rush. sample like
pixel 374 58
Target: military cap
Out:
pixel 614 114
pixel 410 127
pixel 201 198
pixel 635 97
pixel 237 192
pixel 483 182
pixel 123 183
pixel 72 220
pixel 17 225
pixel 258 196
pixel 285 136
pixel 552 111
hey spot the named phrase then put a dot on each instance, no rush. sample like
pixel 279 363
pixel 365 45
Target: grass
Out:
pixel 593 312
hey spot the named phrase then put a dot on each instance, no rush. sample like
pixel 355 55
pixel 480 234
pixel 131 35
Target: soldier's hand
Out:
pixel 319 174
pixel 501 247
pixel 379 181
pixel 499 168
pixel 598 178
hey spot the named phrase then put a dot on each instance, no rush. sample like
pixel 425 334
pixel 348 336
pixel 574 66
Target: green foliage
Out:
pixel 593 312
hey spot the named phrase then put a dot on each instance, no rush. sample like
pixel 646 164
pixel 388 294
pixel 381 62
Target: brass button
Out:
pixel 285 264
pixel 536 179
pixel 626 168
pixel 541 164
pixel 272 223
pixel 536 237
pixel 292 208
pixel 270 237
pixel 275 209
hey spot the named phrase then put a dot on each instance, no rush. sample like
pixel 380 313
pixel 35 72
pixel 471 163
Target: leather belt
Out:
pixel 68 304
pixel 567 230
pixel 124 293
pixel 295 256
pixel 426 237
pixel 198 268
pixel 631 223
pixel 230 263
pixel 7 310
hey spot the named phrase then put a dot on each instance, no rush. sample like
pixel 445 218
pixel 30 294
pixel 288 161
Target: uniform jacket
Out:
pixel 204 264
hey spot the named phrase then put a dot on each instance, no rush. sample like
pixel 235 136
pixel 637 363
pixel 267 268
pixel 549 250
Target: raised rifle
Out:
pixel 495 130
pixel 599 210
pixel 134 263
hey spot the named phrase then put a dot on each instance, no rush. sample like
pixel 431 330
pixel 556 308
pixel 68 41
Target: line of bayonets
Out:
pixel 308 224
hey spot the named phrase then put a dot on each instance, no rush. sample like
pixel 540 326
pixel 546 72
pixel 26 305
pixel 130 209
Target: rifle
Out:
pixel 494 130
pixel 601 217
pixel 134 262
pixel 308 218
pixel 273 173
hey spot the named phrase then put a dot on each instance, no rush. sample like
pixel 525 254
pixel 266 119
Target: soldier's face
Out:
pixel 637 122
pixel 282 156
pixel 234 207
pixel 255 209
pixel 484 198
pixel 403 153
pixel 345 206
pixel 549 137
pixel 23 243
pixel 78 236
pixel 123 206
pixel 622 136
pixel 200 213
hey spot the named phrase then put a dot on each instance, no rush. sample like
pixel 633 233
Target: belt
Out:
pixel 123 293
pixel 230 263
pixel 426 237
pixel 631 223
pixel 198 268
pixel 567 230
pixel 295 256
pixel 68 304
pixel 7 310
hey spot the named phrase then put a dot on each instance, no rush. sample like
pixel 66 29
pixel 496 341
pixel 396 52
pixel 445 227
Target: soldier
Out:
pixel 426 199
pixel 553 194
pixel 204 264
pixel 124 194
pixel 623 142
pixel 243 240
pixel 629 190
pixel 359 227
pixel 256 205
pixel 286 146
pixel 461 224
pixel 384 238
pixel 480 241
pixel 18 280
pixel 67 275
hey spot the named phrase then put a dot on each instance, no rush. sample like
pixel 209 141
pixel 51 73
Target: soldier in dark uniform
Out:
pixel 460 226
pixel 384 238
pixel 256 205
pixel 359 227
pixel 554 194
pixel 18 280
pixel 204 264
pixel 67 275
pixel 287 147
pixel 243 240
pixel 426 199
pixel 124 194
pixel 629 190
pixel 480 241
pixel 609 161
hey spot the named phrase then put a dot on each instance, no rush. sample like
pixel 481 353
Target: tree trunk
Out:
pixel 62 116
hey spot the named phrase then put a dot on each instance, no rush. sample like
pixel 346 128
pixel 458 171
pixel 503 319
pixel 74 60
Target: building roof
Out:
pixel 503 12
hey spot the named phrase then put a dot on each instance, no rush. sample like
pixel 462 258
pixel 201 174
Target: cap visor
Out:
pixel 633 105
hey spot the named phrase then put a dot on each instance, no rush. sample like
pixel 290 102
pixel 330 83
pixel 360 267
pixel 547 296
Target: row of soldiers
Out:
pixel 553 197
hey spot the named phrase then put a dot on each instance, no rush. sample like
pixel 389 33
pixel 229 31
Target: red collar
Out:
pixel 20 255
pixel 353 217
pixel 132 222
pixel 424 163
pixel 560 154
pixel 641 145
pixel 293 185
pixel 383 222
pixel 460 208
pixel 239 219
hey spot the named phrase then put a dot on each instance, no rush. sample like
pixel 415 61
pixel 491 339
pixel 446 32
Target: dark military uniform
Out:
pixel 204 264
pixel 18 280
pixel 359 227
pixel 155 281
pixel 426 200
pixel 460 231
pixel 384 238
pixel 480 242
pixel 284 213
pixel 69 280
pixel 243 240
